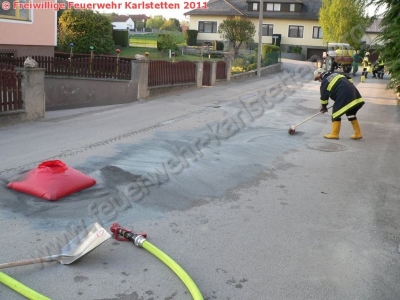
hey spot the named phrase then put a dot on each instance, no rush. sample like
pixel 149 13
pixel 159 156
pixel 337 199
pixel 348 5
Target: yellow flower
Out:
pixel 237 70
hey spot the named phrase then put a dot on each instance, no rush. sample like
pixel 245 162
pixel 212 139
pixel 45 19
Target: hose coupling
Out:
pixel 122 234
pixel 139 240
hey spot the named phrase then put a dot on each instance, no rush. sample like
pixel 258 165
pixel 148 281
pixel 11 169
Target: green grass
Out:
pixel 130 52
pixel 141 43
pixel 150 40
pixel 143 40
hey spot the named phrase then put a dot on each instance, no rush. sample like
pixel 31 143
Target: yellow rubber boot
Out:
pixel 335 131
pixel 357 131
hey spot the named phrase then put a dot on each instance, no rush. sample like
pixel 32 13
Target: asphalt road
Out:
pixel 215 180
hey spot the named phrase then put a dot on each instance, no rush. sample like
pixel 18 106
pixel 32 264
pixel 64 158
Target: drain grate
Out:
pixel 326 147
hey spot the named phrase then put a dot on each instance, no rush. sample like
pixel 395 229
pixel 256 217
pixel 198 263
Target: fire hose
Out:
pixel 139 240
pixel 20 288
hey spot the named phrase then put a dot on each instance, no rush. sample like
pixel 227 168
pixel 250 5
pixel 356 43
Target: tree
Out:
pixel 60 11
pixel 390 39
pixel 170 25
pixel 184 23
pixel 166 42
pixel 155 22
pixel 85 28
pixel 344 21
pixel 238 31
pixel 176 22
pixel 139 25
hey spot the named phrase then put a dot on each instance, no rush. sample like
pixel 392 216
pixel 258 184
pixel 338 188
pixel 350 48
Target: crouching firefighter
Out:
pixel 347 100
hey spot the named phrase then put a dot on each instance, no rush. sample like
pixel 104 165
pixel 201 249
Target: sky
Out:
pixel 371 10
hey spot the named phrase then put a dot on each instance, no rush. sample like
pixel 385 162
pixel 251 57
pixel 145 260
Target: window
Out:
pixel 273 7
pixel 7 10
pixel 207 27
pixel 296 31
pixel 267 29
pixel 317 32
pixel 255 6
pixel 292 7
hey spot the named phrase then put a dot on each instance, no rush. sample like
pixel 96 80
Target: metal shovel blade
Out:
pixel 85 241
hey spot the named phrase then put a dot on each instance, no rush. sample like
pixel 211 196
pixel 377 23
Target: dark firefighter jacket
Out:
pixel 342 91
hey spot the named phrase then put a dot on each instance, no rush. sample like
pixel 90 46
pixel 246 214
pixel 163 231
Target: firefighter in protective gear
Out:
pixel 366 64
pixel 347 100
pixel 379 68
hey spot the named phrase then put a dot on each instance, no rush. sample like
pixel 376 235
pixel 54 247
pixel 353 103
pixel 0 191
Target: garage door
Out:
pixel 314 54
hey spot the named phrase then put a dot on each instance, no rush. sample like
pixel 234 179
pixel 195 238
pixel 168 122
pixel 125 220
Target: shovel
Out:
pixel 85 241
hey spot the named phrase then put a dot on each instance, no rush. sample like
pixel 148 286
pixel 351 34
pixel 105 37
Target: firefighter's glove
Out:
pixel 323 109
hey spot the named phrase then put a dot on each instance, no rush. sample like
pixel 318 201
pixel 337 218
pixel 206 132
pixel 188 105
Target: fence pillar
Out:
pixel 228 66
pixel 199 74
pixel 213 73
pixel 33 94
pixel 140 74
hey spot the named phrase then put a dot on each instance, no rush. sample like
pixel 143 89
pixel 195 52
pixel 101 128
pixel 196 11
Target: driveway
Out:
pixel 215 180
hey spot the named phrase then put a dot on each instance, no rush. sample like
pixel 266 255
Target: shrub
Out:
pixel 252 59
pixel 84 28
pixel 251 66
pixel 270 49
pixel 191 37
pixel 270 59
pixel 121 38
pixel 235 70
pixel 166 42
pixel 219 46
pixel 238 62
pixel 267 50
pixel 295 49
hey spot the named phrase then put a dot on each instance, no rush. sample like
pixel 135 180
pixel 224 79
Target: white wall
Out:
pixel 124 25
pixel 371 39
pixel 280 27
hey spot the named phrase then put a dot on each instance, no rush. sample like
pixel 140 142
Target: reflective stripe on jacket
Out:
pixel 365 62
pixel 342 91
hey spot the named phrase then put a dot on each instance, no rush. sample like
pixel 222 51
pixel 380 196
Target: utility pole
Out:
pixel 260 21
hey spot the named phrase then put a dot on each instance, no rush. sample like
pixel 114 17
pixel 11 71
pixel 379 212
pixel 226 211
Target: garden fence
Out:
pixel 10 90
pixel 89 67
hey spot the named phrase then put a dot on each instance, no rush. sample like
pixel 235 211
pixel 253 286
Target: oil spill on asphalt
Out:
pixel 217 165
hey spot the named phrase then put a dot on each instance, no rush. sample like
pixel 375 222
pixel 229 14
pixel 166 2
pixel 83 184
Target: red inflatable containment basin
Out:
pixel 52 180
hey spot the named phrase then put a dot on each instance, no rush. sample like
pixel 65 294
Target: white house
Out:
pixel 138 18
pixel 372 32
pixel 293 22
pixel 123 23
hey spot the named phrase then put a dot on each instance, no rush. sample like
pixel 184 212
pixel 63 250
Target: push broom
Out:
pixel 292 129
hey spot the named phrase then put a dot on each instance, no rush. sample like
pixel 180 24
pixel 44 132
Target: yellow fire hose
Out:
pixel 191 286
pixel 20 288
pixel 140 241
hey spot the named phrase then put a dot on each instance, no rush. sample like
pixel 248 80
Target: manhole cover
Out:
pixel 327 147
